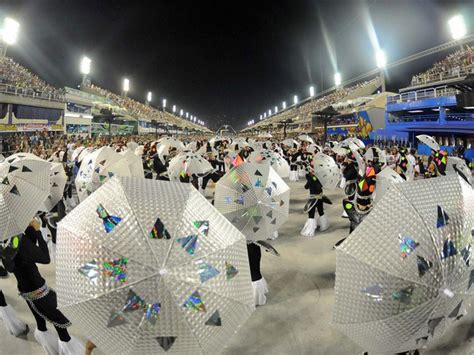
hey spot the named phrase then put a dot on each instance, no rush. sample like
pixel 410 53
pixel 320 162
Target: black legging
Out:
pixel 319 206
pixel 255 254
pixel 214 177
pixel 3 301
pixel 63 334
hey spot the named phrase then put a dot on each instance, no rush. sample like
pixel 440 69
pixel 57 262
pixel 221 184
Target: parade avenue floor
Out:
pixel 298 313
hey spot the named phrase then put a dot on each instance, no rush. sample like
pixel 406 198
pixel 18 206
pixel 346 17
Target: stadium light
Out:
pixel 187 114
pixel 174 108
pixel 126 85
pixel 380 59
pixel 164 104
pixel 261 117
pixel 149 96
pixel 276 109
pixel 85 66
pixel 265 115
pixel 10 30
pixel 337 79
pixel 283 105
pixel 269 113
pixel 295 99
pixel 457 27
pixel 311 91
pixel 181 112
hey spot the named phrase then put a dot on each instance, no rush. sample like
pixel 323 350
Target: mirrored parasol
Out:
pixel 405 274
pixel 147 267
pixel 326 170
pixel 254 198
pixel 188 164
pixel 24 186
pixel 429 141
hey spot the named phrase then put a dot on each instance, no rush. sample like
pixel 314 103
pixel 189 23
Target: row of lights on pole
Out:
pixel 458 30
pixel 85 68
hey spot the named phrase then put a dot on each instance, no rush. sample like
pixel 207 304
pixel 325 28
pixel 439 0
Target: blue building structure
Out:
pixel 440 111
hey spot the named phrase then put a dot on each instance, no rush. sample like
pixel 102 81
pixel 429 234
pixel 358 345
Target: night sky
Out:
pixel 225 61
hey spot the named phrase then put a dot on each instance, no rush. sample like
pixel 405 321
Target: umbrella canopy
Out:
pixel 277 162
pixel 265 135
pixel 375 152
pixel 429 141
pixel 385 180
pixel 339 149
pixel 147 267
pixel 356 141
pixel 306 138
pixel 97 168
pixel 164 148
pixel 326 170
pixel 192 146
pixel 254 198
pixel 459 166
pixel 24 186
pixel 290 142
pixel 188 164
pixel 58 180
pixel 84 153
pixel 135 163
pixel 404 274
pixel 314 148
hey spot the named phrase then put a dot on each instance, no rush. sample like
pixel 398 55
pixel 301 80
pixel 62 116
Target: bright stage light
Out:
pixel 174 108
pixel 269 113
pixel 126 85
pixel 265 115
pixel 181 112
pixel 261 117
pixel 337 79
pixel 149 96
pixel 164 103
pixel 276 109
pixel 457 27
pixel 295 99
pixel 380 59
pixel 85 66
pixel 311 91
pixel 283 105
pixel 10 30
pixel 187 114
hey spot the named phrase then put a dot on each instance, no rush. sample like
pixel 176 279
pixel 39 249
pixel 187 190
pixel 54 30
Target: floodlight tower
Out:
pixel 8 34
pixel 149 97
pixel 125 87
pixel 85 69
pixel 338 80
pixel 381 63
pixel 458 28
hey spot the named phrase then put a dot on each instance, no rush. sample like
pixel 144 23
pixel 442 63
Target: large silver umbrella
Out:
pixel 24 186
pixel 459 166
pixel 148 267
pixel 326 170
pixel 276 161
pixel 306 138
pixel 188 164
pixel 254 198
pixel 429 141
pixel 97 168
pixel 385 180
pixel 58 180
pixel 404 275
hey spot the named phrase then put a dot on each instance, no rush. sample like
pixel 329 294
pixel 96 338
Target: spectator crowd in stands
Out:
pixel 456 64
pixel 21 81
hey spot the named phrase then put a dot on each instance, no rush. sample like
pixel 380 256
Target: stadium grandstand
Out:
pixel 28 103
pixel 297 118
pixel 439 102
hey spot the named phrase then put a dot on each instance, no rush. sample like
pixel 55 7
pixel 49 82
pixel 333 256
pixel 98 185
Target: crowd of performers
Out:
pixel 359 166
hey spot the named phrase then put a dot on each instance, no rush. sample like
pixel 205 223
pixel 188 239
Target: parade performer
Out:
pixel 260 287
pixel 349 178
pixel 42 300
pixel 316 202
pixel 294 157
pixel 10 319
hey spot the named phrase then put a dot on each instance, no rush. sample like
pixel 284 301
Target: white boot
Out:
pixel 301 173
pixel 14 325
pixel 309 227
pixel 48 340
pixel 72 347
pixel 323 223
pixel 260 290
pixel 292 176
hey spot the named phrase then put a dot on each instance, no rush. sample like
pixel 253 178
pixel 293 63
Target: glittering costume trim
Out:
pixel 38 294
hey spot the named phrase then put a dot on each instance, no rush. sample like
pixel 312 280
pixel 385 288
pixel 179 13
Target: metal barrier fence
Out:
pixel 31 93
